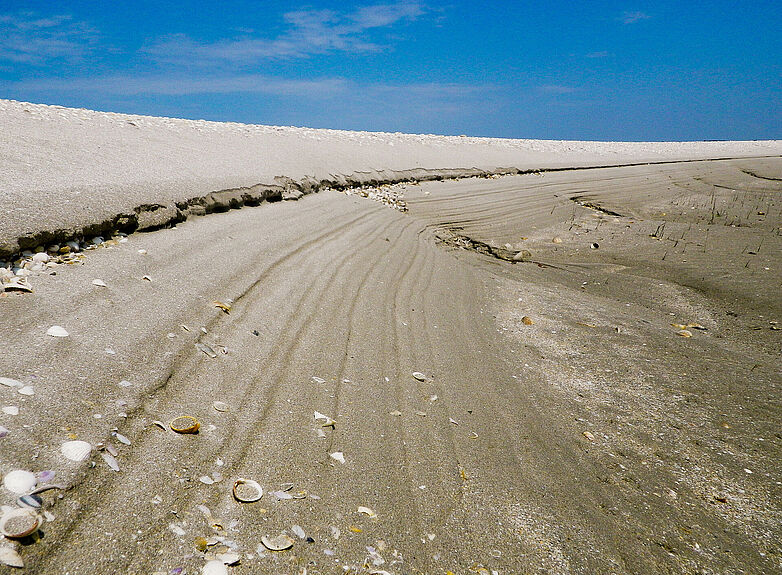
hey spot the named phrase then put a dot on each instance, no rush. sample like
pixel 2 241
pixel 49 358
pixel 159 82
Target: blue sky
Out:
pixel 658 70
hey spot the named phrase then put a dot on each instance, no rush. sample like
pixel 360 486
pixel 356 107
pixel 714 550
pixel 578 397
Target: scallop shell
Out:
pixel 185 424
pixel 19 523
pixel 214 567
pixel 247 490
pixel 76 450
pixel 19 481
pixel 279 543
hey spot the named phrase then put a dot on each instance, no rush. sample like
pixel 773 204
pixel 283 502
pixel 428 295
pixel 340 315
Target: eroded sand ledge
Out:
pixel 68 172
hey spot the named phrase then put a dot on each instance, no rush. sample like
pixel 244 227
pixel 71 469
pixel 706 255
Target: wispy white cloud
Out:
pixel 308 32
pixel 631 17
pixel 27 38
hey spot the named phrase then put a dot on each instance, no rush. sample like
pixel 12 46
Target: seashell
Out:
pixel 26 390
pixel 19 481
pixel 318 379
pixel 338 456
pixel 121 438
pixel 57 331
pixel 76 450
pixel 110 461
pixel 99 283
pixel 247 490
pixel 10 382
pixel 207 349
pixel 185 424
pixel 11 410
pixel 214 567
pixel 18 284
pixel 220 406
pixel 594 245
pixel 557 240
pixel 9 556
pixel 695 326
pixel 206 480
pixel 160 424
pixel 298 532
pixel 523 256
pixel 225 307
pixel 684 333
pixel 419 376
pixel 526 320
pixel 19 523
pixel 589 435
pixel 282 495
pixel 3 431
pixel 327 421
pixel 31 501
pixel 229 558
pixel 367 511
pixel 279 543
pixel 46 476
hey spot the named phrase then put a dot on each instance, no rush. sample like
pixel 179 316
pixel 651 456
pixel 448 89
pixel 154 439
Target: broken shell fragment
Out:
pixel 220 406
pixel 19 523
pixel 367 511
pixel 9 556
pixel 110 461
pixel 247 490
pixel 10 382
pixel 207 349
pixel 99 283
pixel 76 450
pixel 589 435
pixel 57 331
pixel 684 333
pixel 225 307
pixel 419 376
pixel 279 543
pixel 327 421
pixel 19 481
pixel 338 456
pixel 31 501
pixel 185 424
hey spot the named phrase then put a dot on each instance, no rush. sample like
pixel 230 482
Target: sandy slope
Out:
pixel 63 170
pixel 344 289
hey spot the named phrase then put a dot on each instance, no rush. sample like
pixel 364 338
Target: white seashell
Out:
pixel 76 450
pixel 229 558
pixel 11 410
pixel 10 382
pixel 318 379
pixel 176 529
pixel 99 283
pixel 338 456
pixel 9 556
pixel 110 461
pixel 125 383
pixel 367 511
pixel 121 438
pixel 247 490
pixel 327 421
pixel 19 523
pixel 214 567
pixel 57 331
pixel 26 390
pixel 206 480
pixel 419 376
pixel 299 532
pixel 19 481
pixel 4 431
pixel 279 543
pixel 220 406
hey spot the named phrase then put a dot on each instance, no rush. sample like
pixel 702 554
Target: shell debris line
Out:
pixel 19 274
pixel 391 195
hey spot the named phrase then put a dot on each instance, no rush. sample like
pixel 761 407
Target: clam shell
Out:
pixel 185 424
pixel 9 556
pixel 76 450
pixel 32 501
pixel 19 523
pixel 214 567
pixel 279 543
pixel 19 481
pixel 57 331
pixel 419 376
pixel 247 490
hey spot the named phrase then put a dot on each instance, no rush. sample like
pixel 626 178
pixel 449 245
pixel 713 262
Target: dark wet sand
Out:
pixel 350 291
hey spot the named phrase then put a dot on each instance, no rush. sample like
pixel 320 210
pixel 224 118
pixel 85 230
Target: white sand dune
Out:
pixel 67 169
